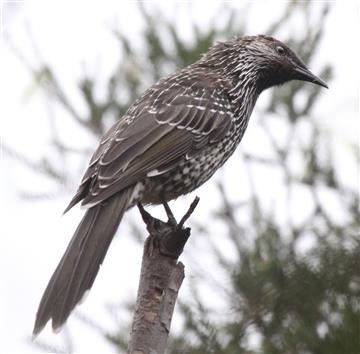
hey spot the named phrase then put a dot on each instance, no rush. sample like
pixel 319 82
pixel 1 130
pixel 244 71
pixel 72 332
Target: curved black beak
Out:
pixel 304 74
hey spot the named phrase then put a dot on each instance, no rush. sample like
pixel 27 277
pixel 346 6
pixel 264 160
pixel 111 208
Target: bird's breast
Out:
pixel 191 173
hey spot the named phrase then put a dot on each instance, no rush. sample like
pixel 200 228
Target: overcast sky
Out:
pixel 69 36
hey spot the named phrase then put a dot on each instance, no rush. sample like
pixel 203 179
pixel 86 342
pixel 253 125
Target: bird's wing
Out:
pixel 152 137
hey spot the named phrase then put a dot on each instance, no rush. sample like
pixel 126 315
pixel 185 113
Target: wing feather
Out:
pixel 164 130
pixel 165 151
pixel 121 161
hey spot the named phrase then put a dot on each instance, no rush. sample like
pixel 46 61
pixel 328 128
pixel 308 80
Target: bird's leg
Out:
pixel 172 243
pixel 144 214
pixel 171 218
pixel 155 228
pixel 188 213
pixel 153 225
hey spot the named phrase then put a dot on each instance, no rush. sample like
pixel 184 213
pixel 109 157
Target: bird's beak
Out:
pixel 304 74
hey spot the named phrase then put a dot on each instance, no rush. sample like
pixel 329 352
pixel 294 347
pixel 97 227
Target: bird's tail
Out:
pixel 80 264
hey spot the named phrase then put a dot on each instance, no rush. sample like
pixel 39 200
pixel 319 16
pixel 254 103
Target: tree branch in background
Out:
pixel 160 280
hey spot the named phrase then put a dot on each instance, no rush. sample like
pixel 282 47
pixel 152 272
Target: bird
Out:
pixel 170 141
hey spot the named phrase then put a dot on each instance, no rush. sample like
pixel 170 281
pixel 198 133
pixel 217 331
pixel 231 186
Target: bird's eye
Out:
pixel 280 50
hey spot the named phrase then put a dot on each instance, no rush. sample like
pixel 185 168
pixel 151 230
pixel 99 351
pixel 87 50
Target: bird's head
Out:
pixel 277 63
pixel 261 59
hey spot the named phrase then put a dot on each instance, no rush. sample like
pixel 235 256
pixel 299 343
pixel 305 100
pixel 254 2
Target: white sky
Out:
pixel 69 35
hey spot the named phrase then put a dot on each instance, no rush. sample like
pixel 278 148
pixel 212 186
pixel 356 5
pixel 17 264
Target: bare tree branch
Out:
pixel 160 281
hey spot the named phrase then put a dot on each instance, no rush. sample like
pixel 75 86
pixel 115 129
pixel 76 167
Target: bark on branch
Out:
pixel 160 280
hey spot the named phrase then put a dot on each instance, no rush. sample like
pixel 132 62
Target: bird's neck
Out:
pixel 243 94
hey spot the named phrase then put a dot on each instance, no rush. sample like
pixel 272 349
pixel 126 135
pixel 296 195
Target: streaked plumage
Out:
pixel 170 141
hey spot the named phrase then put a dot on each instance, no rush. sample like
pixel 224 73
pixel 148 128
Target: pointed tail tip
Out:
pixel 37 329
pixel 56 327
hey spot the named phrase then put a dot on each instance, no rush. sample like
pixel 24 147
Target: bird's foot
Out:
pixel 171 218
pixel 169 237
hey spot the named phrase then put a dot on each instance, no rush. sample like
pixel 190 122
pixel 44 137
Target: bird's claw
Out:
pixel 169 237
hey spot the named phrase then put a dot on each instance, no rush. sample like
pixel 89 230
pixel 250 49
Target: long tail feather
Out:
pixel 80 263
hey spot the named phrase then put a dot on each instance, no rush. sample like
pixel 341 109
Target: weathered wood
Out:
pixel 160 280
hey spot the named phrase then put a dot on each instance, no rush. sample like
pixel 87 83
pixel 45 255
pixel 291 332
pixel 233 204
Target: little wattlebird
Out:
pixel 169 142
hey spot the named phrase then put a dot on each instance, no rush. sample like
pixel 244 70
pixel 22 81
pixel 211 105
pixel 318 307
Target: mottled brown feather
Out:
pixel 155 135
